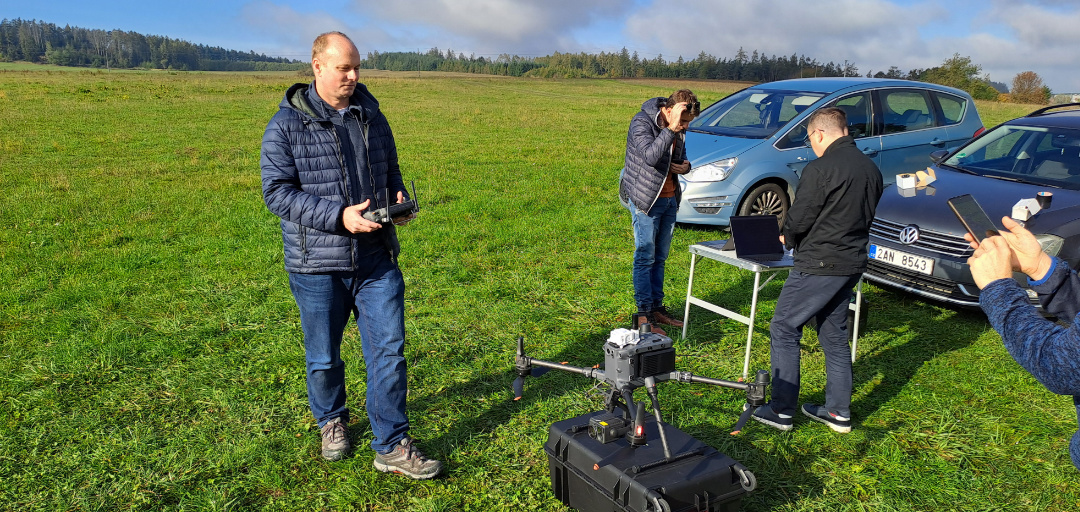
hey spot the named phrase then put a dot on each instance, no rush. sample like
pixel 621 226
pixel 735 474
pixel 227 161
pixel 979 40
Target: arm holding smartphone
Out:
pixel 997 257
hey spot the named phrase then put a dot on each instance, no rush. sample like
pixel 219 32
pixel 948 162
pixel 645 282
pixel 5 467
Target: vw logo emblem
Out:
pixel 909 235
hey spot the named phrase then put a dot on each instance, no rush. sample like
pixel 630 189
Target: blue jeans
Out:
pixel 652 242
pixel 803 297
pixel 376 293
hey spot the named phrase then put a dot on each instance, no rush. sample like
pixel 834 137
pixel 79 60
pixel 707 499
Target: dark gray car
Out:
pixel 916 242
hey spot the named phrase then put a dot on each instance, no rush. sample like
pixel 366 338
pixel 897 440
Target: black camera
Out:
pixel 608 427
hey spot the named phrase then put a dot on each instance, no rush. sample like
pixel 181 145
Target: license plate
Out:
pixel 902 259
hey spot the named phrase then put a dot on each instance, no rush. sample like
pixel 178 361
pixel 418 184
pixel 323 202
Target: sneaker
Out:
pixel 820 415
pixel 766 415
pixel 662 316
pixel 335 439
pixel 407 459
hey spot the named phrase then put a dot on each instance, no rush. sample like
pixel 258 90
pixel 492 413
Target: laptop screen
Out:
pixel 756 236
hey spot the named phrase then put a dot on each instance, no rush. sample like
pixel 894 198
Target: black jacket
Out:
pixel 648 158
pixel 828 224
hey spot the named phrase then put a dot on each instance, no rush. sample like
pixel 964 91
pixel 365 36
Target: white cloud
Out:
pixel 294 30
pixel 502 26
pixel 1005 37
pixel 1034 37
pixel 851 29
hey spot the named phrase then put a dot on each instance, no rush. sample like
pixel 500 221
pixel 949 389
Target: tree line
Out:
pixel 36 41
pixel 956 71
pixel 752 67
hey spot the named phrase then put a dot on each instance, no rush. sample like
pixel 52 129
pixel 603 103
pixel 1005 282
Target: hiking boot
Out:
pixel 820 415
pixel 638 319
pixel 766 415
pixel 335 439
pixel 407 459
pixel 662 316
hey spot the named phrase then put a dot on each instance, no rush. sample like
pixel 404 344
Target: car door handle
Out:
pixel 800 159
pixel 937 142
pixel 869 152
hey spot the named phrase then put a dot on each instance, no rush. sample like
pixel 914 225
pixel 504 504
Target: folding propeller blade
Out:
pixel 519 387
pixel 743 419
pixel 536 372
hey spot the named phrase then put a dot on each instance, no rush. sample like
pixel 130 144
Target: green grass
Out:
pixel 151 354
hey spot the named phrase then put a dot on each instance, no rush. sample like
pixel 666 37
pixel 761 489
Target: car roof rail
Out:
pixel 1052 107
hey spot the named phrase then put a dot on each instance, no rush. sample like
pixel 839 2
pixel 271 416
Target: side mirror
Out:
pixel 938 155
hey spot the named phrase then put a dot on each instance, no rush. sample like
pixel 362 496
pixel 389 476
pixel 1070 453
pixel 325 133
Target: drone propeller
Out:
pixel 519 382
pixel 525 369
pixel 743 418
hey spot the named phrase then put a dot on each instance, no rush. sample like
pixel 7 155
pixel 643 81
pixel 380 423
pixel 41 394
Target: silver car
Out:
pixel 748 149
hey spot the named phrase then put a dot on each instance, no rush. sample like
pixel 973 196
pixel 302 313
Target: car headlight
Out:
pixel 715 171
pixel 1051 244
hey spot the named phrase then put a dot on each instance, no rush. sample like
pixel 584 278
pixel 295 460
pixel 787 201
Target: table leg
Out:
pixel 689 290
pixel 750 325
pixel 858 316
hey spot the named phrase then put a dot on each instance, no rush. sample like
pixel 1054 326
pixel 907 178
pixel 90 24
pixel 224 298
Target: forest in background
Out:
pixel 47 43
pixel 40 42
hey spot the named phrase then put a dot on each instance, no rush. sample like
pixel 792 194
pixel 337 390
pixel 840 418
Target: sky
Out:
pixel 1004 37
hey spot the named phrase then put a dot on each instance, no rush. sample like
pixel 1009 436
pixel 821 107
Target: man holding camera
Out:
pixel 328 156
pixel 1050 352
pixel 828 226
pixel 655 154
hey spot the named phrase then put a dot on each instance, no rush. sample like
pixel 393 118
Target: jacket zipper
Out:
pixel 345 178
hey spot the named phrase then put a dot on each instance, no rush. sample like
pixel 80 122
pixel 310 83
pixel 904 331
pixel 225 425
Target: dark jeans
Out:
pixel 376 293
pixel 826 299
pixel 652 242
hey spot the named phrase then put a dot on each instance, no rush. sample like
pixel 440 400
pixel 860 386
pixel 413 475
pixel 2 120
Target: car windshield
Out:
pixel 753 113
pixel 1034 154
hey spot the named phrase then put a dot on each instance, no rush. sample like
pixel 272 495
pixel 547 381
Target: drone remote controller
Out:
pixel 387 214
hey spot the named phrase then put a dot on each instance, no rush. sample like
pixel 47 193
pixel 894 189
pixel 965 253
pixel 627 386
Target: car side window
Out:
pixel 857 109
pixel 795 137
pixel 952 107
pixel 905 110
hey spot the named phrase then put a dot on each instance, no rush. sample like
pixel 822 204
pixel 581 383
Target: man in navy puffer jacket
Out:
pixel 1051 352
pixel 655 154
pixel 328 155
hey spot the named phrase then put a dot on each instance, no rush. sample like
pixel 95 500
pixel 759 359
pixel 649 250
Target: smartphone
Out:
pixel 973 217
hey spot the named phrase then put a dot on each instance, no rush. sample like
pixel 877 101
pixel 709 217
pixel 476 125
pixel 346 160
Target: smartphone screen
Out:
pixel 973 217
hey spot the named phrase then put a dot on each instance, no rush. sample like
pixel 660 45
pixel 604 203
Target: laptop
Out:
pixel 757 239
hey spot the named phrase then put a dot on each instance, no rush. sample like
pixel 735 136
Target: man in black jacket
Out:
pixel 828 226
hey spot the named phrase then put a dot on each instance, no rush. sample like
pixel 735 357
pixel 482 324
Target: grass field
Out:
pixel 151 354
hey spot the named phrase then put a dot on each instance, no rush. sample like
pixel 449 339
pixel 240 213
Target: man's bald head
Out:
pixel 336 63
pixel 327 40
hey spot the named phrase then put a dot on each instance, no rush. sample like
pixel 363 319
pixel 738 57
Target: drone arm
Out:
pixel 595 373
pixel 689 377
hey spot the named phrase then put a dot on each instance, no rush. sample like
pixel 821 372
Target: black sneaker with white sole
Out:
pixel 819 414
pixel 766 415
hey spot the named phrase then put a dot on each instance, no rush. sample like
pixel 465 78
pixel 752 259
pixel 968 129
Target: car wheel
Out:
pixel 766 199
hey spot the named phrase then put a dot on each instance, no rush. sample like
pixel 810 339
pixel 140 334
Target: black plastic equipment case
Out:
pixel 590 476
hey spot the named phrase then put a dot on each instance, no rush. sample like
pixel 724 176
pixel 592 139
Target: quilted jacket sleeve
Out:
pixel 652 148
pixel 282 190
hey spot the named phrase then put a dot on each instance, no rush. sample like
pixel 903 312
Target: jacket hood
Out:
pixel 303 98
pixel 651 107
